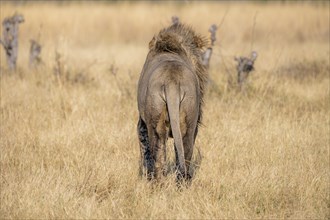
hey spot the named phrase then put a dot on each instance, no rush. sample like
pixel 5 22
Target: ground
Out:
pixel 68 142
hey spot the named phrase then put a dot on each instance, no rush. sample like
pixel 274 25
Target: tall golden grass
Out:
pixel 69 147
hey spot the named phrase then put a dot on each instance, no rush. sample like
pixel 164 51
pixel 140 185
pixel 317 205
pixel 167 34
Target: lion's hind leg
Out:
pixel 147 162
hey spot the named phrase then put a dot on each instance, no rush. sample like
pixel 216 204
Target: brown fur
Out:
pixel 170 98
pixel 182 40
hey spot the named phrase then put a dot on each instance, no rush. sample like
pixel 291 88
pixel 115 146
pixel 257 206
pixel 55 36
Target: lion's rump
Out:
pixel 182 40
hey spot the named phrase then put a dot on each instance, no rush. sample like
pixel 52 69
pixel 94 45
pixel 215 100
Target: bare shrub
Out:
pixel 10 38
pixel 208 53
pixel 244 66
pixel 35 54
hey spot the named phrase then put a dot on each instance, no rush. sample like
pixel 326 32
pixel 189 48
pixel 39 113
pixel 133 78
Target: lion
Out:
pixel 170 99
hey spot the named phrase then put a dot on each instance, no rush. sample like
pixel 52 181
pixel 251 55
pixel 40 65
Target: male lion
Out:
pixel 170 98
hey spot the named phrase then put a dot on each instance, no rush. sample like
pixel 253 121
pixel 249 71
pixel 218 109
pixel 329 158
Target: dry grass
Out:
pixel 70 150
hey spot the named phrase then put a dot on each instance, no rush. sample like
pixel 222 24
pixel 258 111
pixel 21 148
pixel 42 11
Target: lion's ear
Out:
pixel 152 43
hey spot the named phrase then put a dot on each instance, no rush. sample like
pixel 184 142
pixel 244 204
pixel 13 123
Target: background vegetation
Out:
pixel 68 143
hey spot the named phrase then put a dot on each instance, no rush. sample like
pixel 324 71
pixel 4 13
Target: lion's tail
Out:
pixel 173 108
